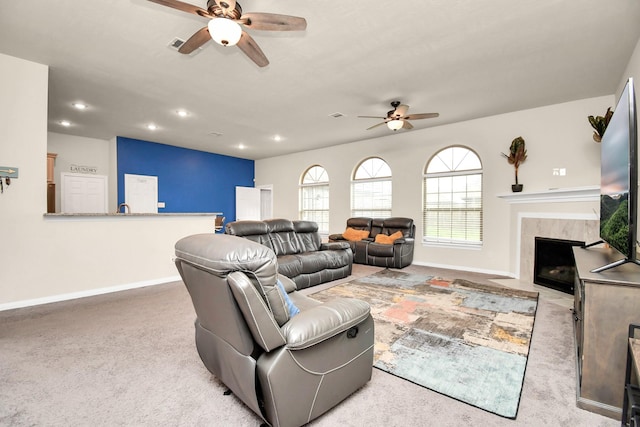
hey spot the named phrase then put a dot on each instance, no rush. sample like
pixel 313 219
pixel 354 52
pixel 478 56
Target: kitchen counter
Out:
pixel 129 215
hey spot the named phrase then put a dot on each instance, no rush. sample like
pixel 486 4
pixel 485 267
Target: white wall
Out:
pixel 557 136
pixel 76 152
pixel 46 259
pixel 632 70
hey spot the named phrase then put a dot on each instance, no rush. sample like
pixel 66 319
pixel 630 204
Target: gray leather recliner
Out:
pixel 287 369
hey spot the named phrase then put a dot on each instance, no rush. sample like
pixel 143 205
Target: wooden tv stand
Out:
pixel 604 306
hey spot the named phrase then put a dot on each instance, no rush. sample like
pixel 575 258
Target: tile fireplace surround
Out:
pixel 532 222
pixel 586 230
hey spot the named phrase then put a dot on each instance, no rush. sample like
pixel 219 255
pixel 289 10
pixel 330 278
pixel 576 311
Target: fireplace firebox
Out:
pixel 554 266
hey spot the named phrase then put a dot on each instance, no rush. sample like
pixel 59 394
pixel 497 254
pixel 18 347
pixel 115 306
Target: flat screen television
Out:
pixel 619 180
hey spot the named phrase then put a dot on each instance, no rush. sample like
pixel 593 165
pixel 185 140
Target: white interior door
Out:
pixel 247 203
pixel 82 193
pixel 266 202
pixel 141 193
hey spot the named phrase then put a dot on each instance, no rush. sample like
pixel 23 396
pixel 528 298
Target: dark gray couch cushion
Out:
pixel 282 236
pixel 307 235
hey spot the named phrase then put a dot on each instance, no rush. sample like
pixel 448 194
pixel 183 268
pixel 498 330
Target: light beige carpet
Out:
pixel 129 359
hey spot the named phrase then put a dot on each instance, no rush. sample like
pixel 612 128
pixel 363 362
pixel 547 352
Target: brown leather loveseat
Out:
pixel 384 242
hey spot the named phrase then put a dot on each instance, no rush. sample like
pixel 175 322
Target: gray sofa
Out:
pixel 301 254
pixel 288 366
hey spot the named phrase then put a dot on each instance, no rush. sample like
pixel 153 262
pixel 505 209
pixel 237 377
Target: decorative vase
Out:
pixel 516 188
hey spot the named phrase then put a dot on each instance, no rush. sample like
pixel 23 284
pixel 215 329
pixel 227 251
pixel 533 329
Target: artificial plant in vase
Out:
pixel 600 123
pixel 517 155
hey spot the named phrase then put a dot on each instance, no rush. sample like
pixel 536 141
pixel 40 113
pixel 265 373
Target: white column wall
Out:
pixel 48 259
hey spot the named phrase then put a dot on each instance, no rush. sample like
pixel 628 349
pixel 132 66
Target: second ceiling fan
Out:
pixel 398 118
pixel 224 27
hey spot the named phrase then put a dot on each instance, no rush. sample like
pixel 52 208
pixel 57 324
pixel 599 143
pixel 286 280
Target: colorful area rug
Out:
pixel 465 340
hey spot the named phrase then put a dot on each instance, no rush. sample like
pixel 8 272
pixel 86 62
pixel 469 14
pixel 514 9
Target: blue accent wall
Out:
pixel 188 180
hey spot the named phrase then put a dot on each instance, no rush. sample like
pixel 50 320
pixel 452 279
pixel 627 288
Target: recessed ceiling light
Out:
pixel 182 113
pixel 151 126
pixel 277 138
pixel 80 105
pixel 241 146
pixel 65 123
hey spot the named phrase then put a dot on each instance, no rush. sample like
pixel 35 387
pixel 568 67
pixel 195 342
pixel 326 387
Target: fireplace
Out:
pixel 554 266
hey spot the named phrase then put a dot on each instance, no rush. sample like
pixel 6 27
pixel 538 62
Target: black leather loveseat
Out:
pixel 384 242
pixel 301 254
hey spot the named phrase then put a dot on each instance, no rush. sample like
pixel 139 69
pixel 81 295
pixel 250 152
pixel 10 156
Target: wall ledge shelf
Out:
pixel 554 195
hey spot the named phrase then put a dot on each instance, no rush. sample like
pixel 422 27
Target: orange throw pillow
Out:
pixel 354 235
pixel 388 240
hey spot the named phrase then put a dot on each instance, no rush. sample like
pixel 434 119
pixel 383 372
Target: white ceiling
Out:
pixel 462 58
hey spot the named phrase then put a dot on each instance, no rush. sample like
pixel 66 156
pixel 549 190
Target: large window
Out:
pixel 371 189
pixel 452 210
pixel 314 197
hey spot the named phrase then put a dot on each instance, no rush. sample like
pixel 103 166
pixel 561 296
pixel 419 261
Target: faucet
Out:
pixel 121 205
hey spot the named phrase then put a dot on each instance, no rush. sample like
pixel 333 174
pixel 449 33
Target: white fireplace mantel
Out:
pixel 575 194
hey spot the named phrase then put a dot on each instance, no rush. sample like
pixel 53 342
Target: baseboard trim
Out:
pixel 464 268
pixel 87 293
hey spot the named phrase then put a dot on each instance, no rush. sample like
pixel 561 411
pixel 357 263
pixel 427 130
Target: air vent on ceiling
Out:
pixel 214 133
pixel 176 43
pixel 336 115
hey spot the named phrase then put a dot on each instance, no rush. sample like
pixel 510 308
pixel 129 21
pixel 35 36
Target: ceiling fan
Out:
pixel 224 27
pixel 398 117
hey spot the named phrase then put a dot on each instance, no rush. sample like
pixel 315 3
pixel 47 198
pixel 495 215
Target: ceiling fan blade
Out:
pixel 372 117
pixel 375 126
pixel 227 6
pixel 401 110
pixel 406 125
pixel 421 116
pixel 185 7
pixel 199 38
pixel 273 22
pixel 250 48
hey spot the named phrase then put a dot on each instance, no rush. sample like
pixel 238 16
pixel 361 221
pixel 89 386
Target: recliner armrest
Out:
pixel 324 321
pixel 334 246
pixel 403 240
pixel 336 237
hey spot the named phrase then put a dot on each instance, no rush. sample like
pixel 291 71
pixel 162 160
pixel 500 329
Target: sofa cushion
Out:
pixel 283 236
pixel 354 235
pixel 359 223
pixel 405 225
pixel 388 240
pixel 289 265
pixel 380 250
pixel 252 230
pixel 313 262
pixel 307 234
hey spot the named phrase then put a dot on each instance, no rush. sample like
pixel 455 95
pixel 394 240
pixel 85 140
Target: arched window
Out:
pixel 371 189
pixel 314 197
pixel 452 199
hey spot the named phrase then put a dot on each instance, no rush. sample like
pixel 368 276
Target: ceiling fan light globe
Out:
pixel 225 31
pixel 395 124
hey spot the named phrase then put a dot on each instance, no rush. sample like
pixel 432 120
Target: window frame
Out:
pixel 468 187
pixel 373 178
pixel 317 184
